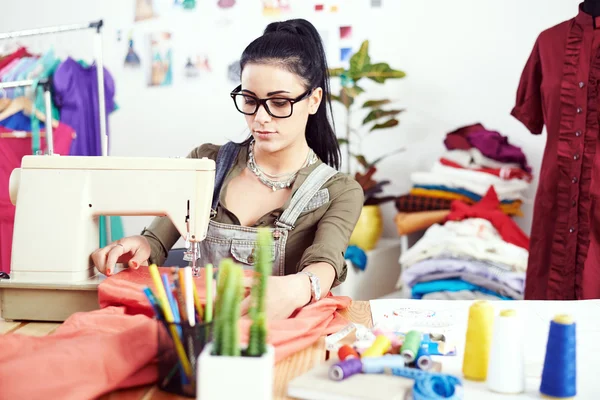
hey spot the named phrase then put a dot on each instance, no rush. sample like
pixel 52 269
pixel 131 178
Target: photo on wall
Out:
pixel 275 7
pixel 161 56
pixel 144 9
pixel 196 67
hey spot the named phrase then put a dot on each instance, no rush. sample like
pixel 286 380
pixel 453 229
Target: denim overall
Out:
pixel 238 242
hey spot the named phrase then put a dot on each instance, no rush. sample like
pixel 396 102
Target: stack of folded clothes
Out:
pixel 475 160
pixel 477 252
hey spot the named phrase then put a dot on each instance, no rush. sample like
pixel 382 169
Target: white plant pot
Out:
pixel 226 377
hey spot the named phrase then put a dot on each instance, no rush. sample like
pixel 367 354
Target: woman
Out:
pixel 283 94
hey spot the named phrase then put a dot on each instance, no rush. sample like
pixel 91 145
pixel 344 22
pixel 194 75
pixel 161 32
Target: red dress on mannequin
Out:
pixel 559 90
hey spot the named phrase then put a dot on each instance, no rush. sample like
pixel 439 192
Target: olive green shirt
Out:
pixel 320 234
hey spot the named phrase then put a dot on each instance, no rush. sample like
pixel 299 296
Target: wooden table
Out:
pixel 285 370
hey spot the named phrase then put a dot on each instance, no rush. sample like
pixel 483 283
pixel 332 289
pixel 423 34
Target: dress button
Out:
pixel 581 84
pixel 579 110
pixel 571 230
pixel 578 133
pixel 576 156
pixel 574 180
pixel 573 203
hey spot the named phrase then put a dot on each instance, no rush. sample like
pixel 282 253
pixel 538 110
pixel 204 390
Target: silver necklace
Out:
pixel 281 181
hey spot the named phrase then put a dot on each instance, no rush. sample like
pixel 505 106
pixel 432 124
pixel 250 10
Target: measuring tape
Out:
pixel 432 386
pixel 332 342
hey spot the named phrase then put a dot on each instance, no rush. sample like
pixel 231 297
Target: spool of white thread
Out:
pixel 506 368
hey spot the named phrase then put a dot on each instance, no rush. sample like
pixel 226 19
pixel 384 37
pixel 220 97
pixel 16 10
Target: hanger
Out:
pixel 23 104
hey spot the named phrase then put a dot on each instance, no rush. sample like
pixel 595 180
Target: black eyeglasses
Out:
pixel 278 107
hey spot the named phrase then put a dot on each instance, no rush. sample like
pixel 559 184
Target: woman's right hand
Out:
pixel 133 251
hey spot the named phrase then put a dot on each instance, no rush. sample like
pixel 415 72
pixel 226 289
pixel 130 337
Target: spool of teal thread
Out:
pixel 410 346
pixel 559 376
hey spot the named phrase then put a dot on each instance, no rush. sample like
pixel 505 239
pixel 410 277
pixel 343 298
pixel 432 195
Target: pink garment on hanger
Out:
pixel 11 152
pixel 97 352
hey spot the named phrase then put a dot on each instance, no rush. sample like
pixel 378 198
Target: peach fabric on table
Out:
pixel 96 352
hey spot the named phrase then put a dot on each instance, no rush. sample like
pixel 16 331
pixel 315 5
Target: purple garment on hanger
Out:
pixel 495 146
pixel 76 94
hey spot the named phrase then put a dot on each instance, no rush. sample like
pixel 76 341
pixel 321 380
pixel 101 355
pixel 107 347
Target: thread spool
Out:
pixel 423 360
pixel 559 376
pixel 478 341
pixel 391 335
pixel 378 365
pixel 380 346
pixel 410 346
pixel 345 352
pixel 506 369
pixel 345 369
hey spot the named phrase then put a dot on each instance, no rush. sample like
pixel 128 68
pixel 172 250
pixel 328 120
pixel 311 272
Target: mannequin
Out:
pixel 592 7
pixel 564 256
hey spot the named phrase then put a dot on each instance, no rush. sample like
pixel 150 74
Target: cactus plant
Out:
pixel 230 292
pixel 257 344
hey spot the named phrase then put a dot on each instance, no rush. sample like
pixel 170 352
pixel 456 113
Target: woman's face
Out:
pixel 265 81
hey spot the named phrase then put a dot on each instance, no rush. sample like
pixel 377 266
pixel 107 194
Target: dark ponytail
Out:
pixel 296 46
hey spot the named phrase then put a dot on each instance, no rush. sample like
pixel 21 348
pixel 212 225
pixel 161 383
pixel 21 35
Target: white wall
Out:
pixel 463 59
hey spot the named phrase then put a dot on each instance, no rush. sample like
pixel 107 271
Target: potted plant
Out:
pixel 224 357
pixel 378 115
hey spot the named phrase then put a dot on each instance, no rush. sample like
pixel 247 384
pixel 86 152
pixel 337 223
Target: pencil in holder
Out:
pixel 179 345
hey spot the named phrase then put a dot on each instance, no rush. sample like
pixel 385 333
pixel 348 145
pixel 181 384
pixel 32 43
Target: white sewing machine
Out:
pixel 58 201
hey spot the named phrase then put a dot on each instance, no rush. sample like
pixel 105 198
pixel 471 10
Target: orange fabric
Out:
pixel 97 352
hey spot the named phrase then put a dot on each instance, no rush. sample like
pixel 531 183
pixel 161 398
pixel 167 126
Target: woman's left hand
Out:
pixel 285 294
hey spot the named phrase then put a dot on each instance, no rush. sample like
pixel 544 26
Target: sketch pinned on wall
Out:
pixel 132 60
pixel 161 52
pixel 345 32
pixel 345 54
pixel 144 9
pixel 226 3
pixel 327 6
pixel 194 67
pixel 234 72
pixel 188 4
pixel 275 7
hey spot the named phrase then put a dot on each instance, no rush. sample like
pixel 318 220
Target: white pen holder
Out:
pixel 227 377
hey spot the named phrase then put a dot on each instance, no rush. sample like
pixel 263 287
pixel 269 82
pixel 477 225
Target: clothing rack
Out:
pixel 97 25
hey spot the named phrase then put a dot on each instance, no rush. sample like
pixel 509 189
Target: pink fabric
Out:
pixel 115 347
pixel 11 152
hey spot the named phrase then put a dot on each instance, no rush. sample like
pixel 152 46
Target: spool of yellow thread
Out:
pixel 380 346
pixel 478 341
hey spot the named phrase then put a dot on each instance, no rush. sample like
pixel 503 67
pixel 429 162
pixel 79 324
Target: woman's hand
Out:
pixel 133 250
pixel 285 294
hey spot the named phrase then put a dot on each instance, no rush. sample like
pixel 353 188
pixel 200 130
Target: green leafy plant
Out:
pixel 230 293
pixel 379 114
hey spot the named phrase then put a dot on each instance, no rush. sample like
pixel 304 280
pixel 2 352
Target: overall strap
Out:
pixel 225 159
pixel 304 194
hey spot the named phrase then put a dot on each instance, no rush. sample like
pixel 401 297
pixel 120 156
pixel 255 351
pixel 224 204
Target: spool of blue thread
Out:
pixel 378 365
pixel 345 369
pixel 559 376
